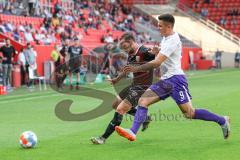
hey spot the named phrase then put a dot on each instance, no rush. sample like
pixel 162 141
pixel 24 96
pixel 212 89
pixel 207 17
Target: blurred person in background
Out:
pixel 237 59
pixel 8 52
pixel 22 63
pixel 31 63
pixel 60 66
pixel 218 59
pixel 31 6
pixel 75 61
pixel 1 72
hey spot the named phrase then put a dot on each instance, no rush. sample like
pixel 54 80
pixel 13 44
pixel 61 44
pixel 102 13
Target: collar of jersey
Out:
pixel 137 50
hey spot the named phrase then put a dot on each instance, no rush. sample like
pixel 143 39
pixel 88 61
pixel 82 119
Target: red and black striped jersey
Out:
pixel 141 57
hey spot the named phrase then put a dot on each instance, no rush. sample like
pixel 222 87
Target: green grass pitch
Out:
pixel 218 91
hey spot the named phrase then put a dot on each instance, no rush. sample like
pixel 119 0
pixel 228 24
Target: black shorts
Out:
pixel 74 65
pixel 61 68
pixel 74 69
pixel 132 93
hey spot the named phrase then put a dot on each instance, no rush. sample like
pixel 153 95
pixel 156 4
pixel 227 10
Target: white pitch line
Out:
pixel 36 97
pixel 207 75
pixel 25 94
pixel 30 98
pixel 54 93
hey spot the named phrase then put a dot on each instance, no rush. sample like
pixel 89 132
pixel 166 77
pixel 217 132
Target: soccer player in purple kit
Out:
pixel 172 83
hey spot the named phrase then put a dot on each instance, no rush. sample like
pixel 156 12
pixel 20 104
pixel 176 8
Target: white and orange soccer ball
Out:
pixel 28 139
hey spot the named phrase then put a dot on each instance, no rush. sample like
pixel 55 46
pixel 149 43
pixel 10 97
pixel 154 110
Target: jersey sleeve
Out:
pixel 168 47
pixel 147 56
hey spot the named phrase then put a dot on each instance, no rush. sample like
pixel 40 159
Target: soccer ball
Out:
pixel 28 139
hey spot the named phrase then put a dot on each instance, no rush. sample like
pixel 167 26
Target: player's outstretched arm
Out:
pixel 118 78
pixel 159 59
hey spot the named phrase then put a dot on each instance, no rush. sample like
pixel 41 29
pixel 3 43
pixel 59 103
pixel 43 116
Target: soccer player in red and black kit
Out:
pixel 128 97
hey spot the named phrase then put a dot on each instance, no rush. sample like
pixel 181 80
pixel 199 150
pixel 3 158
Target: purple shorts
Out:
pixel 176 87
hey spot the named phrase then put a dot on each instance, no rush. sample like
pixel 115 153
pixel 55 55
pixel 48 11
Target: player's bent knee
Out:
pixel 123 107
pixel 143 102
pixel 120 111
pixel 115 104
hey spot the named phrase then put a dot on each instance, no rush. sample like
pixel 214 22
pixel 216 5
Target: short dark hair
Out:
pixel 167 18
pixel 127 37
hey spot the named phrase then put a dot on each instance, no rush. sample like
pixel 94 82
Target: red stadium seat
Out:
pixel 215 14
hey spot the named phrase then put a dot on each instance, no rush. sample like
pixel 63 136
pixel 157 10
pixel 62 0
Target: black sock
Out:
pixel 116 121
pixel 132 111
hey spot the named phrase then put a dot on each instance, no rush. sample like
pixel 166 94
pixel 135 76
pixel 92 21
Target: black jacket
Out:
pixel 8 52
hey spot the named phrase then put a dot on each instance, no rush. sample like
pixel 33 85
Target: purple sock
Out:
pixel 139 118
pixel 205 115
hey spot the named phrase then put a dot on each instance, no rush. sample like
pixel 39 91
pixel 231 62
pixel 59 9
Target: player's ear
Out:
pixel 170 25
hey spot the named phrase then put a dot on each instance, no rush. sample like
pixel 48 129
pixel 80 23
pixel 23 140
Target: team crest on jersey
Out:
pixel 134 93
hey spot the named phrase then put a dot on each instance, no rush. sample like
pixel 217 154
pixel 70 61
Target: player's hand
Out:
pixel 155 50
pixel 129 68
pixel 113 81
